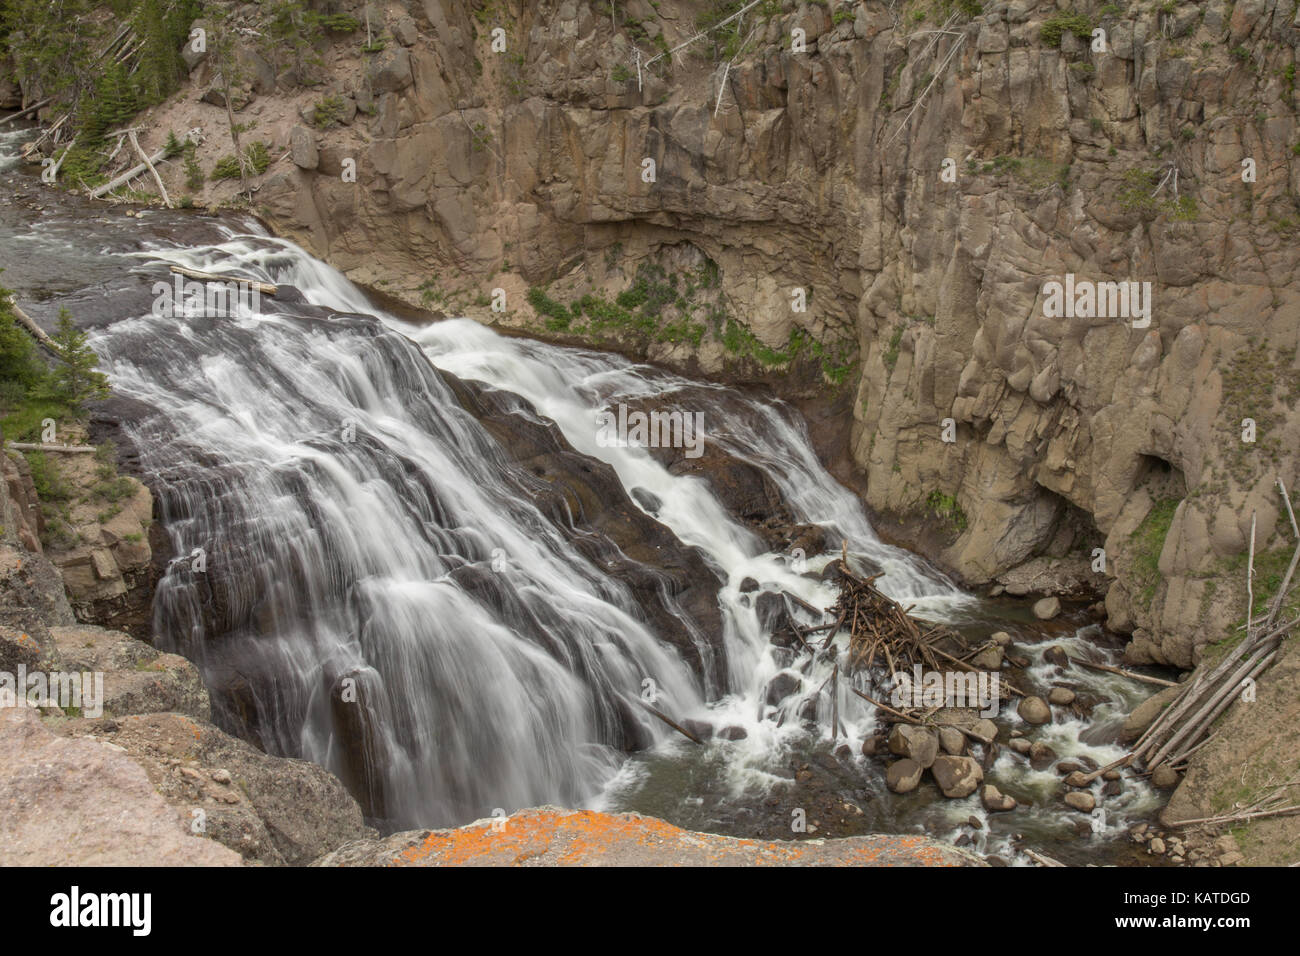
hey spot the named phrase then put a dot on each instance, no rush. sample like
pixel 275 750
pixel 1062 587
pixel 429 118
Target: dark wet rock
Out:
pixel 748 585
pixel 585 500
pixel 700 728
pixel 653 504
pixel 733 732
pixel 782 686
pixel 1057 655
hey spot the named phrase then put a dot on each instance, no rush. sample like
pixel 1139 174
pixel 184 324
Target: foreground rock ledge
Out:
pixel 548 836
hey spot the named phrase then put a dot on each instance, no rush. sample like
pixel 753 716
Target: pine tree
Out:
pixel 75 381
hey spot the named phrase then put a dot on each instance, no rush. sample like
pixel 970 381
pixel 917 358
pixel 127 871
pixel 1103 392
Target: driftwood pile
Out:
pixel 879 627
pixel 883 633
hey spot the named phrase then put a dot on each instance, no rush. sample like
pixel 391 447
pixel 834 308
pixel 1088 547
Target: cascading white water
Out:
pixel 372 559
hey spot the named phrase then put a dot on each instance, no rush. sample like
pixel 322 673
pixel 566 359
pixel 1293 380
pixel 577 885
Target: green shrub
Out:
pixel 946 508
pixel 1080 24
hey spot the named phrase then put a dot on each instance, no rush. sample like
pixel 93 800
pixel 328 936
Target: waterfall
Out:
pixel 360 578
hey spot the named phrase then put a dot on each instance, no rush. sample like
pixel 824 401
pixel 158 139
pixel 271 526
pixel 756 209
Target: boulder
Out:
pixel 781 686
pixel 1081 800
pixel 1047 608
pixel 1145 713
pixel 956 776
pixel 989 659
pixel 1061 696
pixel 85 803
pixel 902 776
pixel 995 801
pixel 1021 745
pixel 390 72
pixel 919 743
pixel 1034 710
pixel 1001 639
pixel 1056 655
pixel 952 741
pixel 1041 755
pixel 985 730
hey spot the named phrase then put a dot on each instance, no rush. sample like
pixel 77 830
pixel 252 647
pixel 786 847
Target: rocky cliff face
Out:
pixel 912 174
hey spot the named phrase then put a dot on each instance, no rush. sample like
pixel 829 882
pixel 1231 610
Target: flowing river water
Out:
pixel 360 528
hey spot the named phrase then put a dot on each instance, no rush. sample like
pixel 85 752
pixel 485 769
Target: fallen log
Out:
pixel 265 288
pixel 36 331
pixel 1123 673
pixel 42 446
pixel 31 109
pixel 670 722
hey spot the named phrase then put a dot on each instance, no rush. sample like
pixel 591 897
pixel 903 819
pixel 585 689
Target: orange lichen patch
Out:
pixel 587 838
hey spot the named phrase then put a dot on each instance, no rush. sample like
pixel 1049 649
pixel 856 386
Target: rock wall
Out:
pixel 919 173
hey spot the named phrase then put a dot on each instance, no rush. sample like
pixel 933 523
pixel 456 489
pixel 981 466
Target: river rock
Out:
pixel 989 659
pixel 1111 775
pixel 733 732
pixel 1020 745
pixel 1047 608
pixel 1001 639
pixel 1056 655
pixel 1034 710
pixel 1041 755
pixel 872 746
pixel 1061 696
pixel 956 776
pixel 902 776
pixel 1111 788
pixel 952 741
pixel 1076 778
pixel 1081 800
pixel 919 743
pixel 1156 846
pixel 995 801
pixel 985 730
